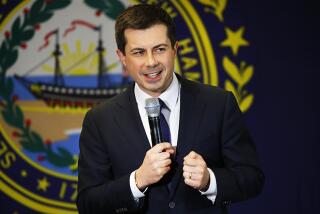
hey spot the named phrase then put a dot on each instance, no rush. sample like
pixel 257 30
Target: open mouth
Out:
pixel 153 75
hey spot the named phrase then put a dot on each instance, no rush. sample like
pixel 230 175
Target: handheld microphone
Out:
pixel 153 111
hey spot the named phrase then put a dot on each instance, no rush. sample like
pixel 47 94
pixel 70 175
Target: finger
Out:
pixel 160 147
pixel 162 163
pixel 193 162
pixel 193 169
pixel 161 156
pixel 192 155
pixel 170 150
pixel 189 169
pixel 162 170
pixel 192 176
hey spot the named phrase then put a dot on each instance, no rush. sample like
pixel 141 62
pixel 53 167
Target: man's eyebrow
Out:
pixel 137 49
pixel 157 46
pixel 143 49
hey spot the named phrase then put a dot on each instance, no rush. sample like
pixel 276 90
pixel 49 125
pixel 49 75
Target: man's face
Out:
pixel 149 58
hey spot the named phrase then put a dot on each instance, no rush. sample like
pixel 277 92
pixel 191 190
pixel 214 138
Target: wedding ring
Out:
pixel 190 175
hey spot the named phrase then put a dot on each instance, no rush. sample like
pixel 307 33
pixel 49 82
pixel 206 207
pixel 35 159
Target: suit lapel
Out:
pixel 128 119
pixel 190 114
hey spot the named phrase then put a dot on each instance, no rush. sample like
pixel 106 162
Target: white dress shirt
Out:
pixel 171 97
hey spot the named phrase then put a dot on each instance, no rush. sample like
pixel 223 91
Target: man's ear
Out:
pixel 121 57
pixel 175 48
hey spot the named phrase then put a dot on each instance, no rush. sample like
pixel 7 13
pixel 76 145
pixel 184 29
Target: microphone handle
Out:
pixel 155 129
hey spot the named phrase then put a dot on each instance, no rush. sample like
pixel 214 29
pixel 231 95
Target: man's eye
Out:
pixel 160 50
pixel 137 53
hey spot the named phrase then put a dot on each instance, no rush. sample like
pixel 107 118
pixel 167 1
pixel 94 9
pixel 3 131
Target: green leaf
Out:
pixel 3 50
pixel 2 75
pixel 35 11
pixel 16 26
pixel 2 89
pixel 36 141
pixel 62 159
pixel 10 59
pixel 13 116
pixel 9 118
pixel 9 86
pixel 15 32
pixel 27 145
pixel 113 8
pixel 27 35
pixel 44 17
pixel 65 153
pixel 36 138
pixel 57 4
pixel 36 7
pixel 94 4
pixel 19 117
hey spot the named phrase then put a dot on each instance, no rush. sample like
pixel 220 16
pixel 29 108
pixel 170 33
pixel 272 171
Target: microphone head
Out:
pixel 152 107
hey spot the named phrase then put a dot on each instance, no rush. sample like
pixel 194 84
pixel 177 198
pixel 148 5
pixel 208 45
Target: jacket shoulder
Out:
pixel 109 106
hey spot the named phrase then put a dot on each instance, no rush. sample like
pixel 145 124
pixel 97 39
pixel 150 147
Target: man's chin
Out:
pixel 153 90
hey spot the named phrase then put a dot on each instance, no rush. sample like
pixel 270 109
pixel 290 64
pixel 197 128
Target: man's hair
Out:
pixel 140 17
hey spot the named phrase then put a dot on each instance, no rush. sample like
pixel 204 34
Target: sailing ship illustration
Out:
pixel 58 94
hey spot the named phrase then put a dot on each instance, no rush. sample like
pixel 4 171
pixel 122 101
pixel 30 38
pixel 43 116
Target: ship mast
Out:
pixel 101 62
pixel 58 77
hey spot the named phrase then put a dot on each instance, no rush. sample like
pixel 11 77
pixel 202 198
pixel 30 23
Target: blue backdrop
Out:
pixel 287 104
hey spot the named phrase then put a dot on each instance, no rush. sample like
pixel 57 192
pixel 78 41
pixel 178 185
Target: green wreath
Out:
pixel 23 30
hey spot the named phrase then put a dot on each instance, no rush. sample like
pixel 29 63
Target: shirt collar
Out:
pixel 169 96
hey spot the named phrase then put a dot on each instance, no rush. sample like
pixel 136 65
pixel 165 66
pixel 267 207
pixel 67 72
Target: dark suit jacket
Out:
pixel 113 144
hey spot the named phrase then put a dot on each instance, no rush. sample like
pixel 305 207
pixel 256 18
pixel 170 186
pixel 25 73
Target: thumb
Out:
pixel 193 155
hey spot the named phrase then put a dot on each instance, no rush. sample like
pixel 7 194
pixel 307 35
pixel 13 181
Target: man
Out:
pixel 214 162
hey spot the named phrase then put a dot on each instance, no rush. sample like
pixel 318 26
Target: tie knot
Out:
pixel 163 105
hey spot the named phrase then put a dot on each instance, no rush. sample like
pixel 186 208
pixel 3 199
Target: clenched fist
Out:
pixel 155 165
pixel 195 171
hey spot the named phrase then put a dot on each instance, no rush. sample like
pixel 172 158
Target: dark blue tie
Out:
pixel 167 138
pixel 164 124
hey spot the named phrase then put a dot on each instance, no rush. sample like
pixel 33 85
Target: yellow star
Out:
pixel 24 173
pixel 43 184
pixel 234 40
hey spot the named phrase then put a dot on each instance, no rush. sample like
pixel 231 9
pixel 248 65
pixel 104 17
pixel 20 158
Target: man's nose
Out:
pixel 151 61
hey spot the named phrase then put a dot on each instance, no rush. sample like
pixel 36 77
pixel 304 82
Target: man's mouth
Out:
pixel 153 74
